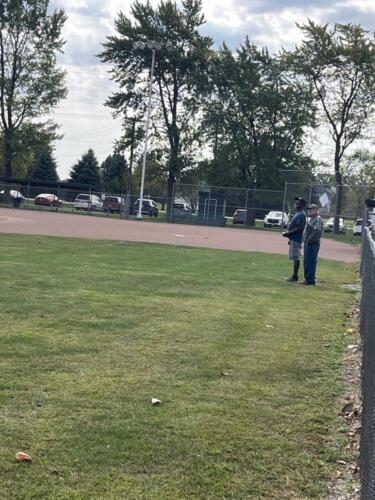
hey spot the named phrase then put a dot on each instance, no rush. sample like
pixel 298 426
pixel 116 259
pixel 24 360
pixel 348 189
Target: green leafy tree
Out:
pixel 256 119
pixel 86 171
pixel 340 64
pixel 179 73
pixel 156 179
pixel 31 140
pixel 359 179
pixel 30 83
pixel 114 173
pixel 361 169
pixel 45 168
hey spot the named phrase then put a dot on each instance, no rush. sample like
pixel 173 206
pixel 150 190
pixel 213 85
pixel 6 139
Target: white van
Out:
pixel 86 201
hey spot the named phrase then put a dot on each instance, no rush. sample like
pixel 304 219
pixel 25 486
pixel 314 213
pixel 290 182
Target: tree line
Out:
pixel 223 117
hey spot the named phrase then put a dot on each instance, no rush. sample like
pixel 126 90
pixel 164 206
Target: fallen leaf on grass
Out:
pixel 226 374
pixel 155 401
pixel 23 457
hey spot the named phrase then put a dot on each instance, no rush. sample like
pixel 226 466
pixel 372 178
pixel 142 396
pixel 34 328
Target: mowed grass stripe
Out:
pixel 91 330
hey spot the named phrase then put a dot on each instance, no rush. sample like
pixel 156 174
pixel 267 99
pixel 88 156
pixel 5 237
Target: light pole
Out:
pixel 153 46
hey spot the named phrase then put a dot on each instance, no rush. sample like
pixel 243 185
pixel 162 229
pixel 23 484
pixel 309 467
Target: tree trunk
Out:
pixel 339 190
pixel 8 157
pixel 250 211
pixel 170 201
pixel 8 152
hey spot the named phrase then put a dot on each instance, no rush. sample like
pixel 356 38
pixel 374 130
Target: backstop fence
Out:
pixel 367 329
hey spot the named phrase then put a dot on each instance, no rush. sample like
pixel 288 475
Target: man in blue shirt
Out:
pixel 295 234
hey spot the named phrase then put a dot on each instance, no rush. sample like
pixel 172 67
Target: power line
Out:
pixel 95 131
pixel 86 115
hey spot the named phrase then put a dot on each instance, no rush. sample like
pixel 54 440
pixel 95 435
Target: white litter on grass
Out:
pixel 269 326
pixel 180 236
pixel 155 401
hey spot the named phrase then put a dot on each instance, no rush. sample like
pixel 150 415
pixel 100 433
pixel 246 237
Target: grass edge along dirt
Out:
pixel 248 369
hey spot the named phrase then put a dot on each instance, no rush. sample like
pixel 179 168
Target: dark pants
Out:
pixel 310 257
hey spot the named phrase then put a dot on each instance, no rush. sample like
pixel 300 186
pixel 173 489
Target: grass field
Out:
pixel 92 330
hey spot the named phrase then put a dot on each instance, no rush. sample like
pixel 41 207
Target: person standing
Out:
pixel 295 234
pixel 311 241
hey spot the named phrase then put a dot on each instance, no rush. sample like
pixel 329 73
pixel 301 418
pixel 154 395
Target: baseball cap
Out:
pixel 312 207
pixel 300 201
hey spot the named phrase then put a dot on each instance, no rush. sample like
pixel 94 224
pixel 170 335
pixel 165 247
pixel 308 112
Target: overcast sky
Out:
pixel 86 122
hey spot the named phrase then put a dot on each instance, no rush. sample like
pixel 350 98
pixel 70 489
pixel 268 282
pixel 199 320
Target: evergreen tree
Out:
pixel 86 171
pixel 45 168
pixel 113 172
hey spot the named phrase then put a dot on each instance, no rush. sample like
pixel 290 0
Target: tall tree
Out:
pixel 30 83
pixel 179 73
pixel 114 173
pixel 361 164
pixel 256 118
pixel 86 171
pixel 45 168
pixel 340 64
pixel 360 176
pixel 31 140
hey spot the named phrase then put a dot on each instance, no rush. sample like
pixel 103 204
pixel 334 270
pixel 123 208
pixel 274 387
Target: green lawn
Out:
pixel 92 330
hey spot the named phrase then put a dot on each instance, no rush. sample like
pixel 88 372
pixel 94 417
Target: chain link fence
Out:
pixel 367 328
pixel 190 204
pixel 221 206
pixel 325 197
pixel 83 199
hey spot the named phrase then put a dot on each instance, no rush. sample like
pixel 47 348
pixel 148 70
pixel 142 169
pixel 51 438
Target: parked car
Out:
pixel 240 216
pixel 86 201
pixel 357 229
pixel 181 207
pixel 276 219
pixel 148 207
pixel 13 194
pixel 48 200
pixel 328 226
pixel 112 204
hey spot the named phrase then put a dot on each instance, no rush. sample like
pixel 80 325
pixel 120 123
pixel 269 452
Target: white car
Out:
pixel 86 201
pixel 13 194
pixel 276 219
pixel 181 206
pixel 357 229
pixel 329 225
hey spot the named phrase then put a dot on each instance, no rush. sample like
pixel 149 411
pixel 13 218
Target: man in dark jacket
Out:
pixel 311 240
pixel 294 233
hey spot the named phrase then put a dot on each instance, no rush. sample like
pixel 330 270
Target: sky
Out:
pixel 84 120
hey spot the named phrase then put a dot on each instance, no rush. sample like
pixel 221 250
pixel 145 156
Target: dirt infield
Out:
pixel 94 227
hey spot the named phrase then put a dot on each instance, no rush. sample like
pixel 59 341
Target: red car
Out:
pixel 112 204
pixel 48 200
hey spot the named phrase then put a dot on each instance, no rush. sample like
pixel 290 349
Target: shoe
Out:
pixel 292 279
pixel 307 283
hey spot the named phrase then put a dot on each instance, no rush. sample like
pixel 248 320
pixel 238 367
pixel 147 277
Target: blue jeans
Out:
pixel 310 257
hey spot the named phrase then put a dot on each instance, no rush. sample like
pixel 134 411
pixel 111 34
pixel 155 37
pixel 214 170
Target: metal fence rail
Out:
pixel 367 328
